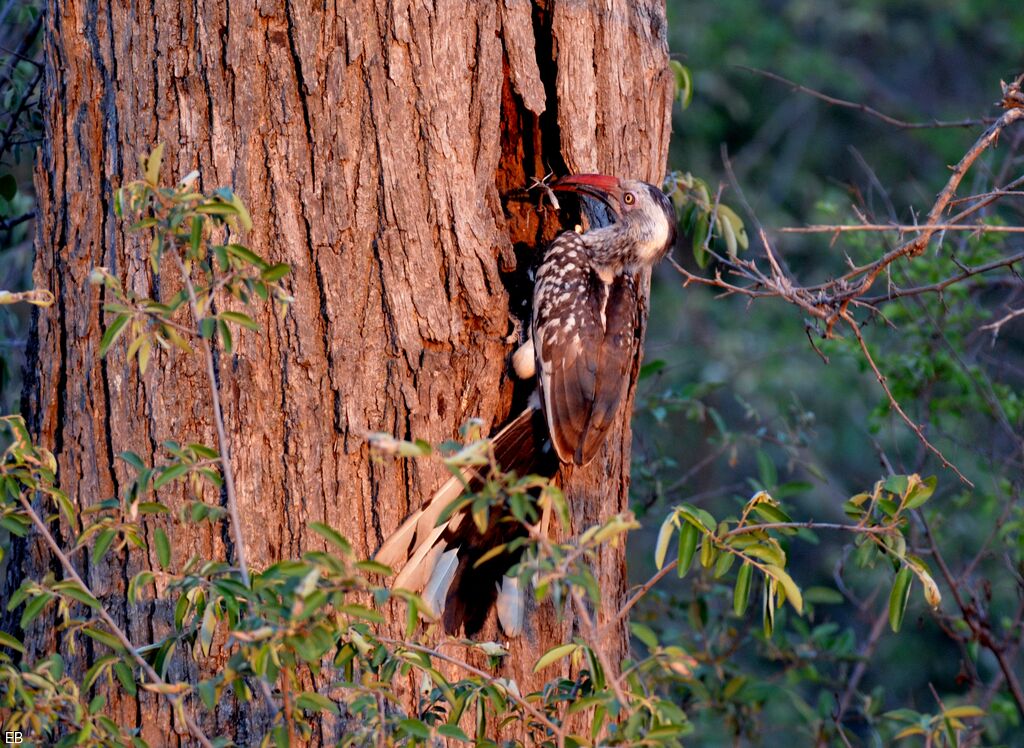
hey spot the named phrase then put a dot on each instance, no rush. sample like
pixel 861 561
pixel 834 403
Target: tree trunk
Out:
pixel 376 146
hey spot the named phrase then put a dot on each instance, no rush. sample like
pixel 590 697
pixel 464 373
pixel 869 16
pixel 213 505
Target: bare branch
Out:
pixel 978 228
pixel 996 326
pixel 870 111
pixel 222 438
pixel 895 404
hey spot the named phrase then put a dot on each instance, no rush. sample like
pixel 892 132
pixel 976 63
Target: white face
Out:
pixel 653 231
pixel 650 249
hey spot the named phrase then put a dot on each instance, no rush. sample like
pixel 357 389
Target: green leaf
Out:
pixel 741 592
pixel 8 186
pixel 244 253
pixel 644 634
pixel 723 563
pixel 772 513
pixel 196 234
pixel 899 596
pixel 113 332
pixel 964 712
pixel 374 567
pixel 728 215
pixel 144 353
pixel 708 552
pixel 664 537
pixel 207 327
pixel 415 728
pixel 688 537
pixel 207 629
pixel 216 209
pixel 316 702
pixel 362 612
pixel 769 552
pixel 555 654
pixel 137 582
pixel 6 640
pixel 331 535
pixel 103 541
pixel 684 82
pixel 163 547
pixel 700 233
pixel 103 638
pixel 823 596
pixel 452 732
pixel 225 336
pixel 169 473
pixel 243 213
pixel 652 367
pixel 792 591
pixel 134 460
pixel 94 672
pixel 207 693
pixel 124 675
pixel 699 517
pixel 896 484
pixel 276 272
pixel 921 492
pixel 240 319
pixel 726 230
pixel 768 606
pixel 75 591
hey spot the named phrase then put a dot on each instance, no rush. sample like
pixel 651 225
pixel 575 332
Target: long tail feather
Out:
pixel 440 560
pixel 511 606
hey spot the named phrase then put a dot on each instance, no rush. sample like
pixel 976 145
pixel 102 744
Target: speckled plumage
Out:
pixel 584 333
pixel 586 305
pixel 583 344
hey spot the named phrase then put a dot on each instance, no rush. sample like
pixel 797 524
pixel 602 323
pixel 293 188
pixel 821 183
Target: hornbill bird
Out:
pixel 582 347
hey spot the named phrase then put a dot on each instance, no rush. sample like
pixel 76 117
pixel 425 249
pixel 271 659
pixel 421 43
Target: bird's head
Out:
pixel 644 227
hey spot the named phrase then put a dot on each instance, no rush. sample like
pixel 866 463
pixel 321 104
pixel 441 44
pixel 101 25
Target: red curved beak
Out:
pixel 599 186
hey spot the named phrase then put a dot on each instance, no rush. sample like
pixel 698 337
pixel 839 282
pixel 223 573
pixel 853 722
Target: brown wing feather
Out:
pixel 614 360
pixel 584 334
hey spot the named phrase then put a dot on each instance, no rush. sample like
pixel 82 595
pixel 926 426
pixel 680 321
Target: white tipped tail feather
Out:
pixel 440 561
pixel 511 605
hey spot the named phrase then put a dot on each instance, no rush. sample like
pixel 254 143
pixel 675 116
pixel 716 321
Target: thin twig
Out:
pixel 222 438
pixel 526 705
pixel 864 108
pixel 972 617
pixel 966 272
pixel 640 593
pixel 808 525
pixel 996 326
pixel 610 673
pixel 9 223
pixel 895 403
pixel 861 668
pixel 979 228
pixel 116 630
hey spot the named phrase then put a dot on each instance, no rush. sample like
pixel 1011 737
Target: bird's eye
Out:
pixel 629 198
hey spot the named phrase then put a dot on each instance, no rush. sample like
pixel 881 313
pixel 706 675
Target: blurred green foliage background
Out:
pixel 736 399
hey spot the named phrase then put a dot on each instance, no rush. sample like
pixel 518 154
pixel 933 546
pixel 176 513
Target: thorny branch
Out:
pixel 829 303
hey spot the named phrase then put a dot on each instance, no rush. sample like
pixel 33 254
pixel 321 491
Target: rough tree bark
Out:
pixel 376 145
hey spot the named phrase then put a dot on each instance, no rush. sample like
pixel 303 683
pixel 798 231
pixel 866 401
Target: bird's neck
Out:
pixel 610 250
